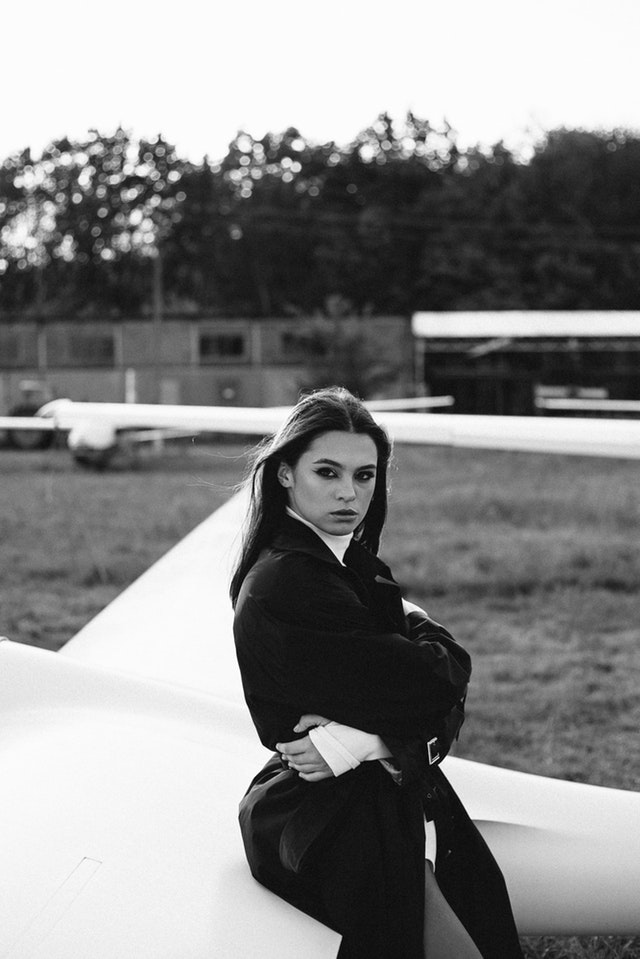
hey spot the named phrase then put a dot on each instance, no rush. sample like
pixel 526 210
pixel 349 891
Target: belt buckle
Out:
pixel 432 751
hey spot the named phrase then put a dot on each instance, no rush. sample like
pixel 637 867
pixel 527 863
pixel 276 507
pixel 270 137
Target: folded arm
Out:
pixel 330 748
pixel 320 650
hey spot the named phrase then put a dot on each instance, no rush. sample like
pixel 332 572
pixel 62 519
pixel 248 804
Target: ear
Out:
pixel 285 477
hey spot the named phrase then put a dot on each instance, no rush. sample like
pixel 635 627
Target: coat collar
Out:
pixel 294 536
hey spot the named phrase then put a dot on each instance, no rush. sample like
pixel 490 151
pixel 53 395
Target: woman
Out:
pixel 360 695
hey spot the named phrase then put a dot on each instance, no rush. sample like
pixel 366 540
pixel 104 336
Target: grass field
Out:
pixel 532 561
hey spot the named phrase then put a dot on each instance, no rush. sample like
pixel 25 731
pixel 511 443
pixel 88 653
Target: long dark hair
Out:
pixel 319 412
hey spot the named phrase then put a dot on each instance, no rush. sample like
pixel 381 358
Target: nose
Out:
pixel 347 492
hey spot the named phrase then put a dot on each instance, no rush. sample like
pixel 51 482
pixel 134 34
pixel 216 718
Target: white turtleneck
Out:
pixel 338 543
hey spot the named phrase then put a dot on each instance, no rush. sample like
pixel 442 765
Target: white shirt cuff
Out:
pixel 364 746
pixel 344 748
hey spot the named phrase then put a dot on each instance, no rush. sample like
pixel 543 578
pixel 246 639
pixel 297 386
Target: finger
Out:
pixel 308 721
pixel 308 762
pixel 294 746
pixel 307 756
pixel 315 777
pixel 298 747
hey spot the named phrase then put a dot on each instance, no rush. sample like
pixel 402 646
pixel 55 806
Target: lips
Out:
pixel 347 513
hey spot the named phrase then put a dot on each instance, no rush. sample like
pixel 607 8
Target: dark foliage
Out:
pixel 398 220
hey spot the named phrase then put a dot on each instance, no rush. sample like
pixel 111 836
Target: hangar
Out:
pixel 510 362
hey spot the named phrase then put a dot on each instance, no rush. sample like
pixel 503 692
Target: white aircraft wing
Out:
pixel 119 801
pixel 99 423
pixel 563 846
pixel 536 434
pixel 174 623
pixel 586 405
pixel 123 757
pixel 26 423
pixel 68 415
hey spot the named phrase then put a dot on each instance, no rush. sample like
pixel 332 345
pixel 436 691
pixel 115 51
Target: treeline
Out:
pixel 401 219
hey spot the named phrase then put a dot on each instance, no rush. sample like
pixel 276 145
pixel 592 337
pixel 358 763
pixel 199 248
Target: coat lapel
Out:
pixel 370 577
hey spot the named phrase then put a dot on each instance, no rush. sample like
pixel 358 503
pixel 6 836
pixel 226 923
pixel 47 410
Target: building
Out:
pixel 202 361
pixel 507 362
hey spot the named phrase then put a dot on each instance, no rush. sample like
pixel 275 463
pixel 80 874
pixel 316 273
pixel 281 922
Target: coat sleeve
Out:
pixel 316 648
pixel 409 754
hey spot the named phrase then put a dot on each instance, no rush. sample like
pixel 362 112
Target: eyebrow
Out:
pixel 365 466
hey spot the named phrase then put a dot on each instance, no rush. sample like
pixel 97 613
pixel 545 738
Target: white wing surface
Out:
pixel 564 847
pixel 174 623
pixel 579 436
pixel 536 434
pixel 123 757
pixel 120 839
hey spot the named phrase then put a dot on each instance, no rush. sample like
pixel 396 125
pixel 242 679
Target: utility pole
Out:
pixel 158 310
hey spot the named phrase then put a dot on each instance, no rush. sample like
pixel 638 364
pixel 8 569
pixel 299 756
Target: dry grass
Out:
pixel 532 561
pixel 71 540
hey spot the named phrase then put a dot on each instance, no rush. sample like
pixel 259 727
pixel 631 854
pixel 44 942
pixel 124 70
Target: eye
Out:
pixel 326 472
pixel 365 476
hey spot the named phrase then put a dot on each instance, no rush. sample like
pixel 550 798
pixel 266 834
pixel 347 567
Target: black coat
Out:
pixel 313 636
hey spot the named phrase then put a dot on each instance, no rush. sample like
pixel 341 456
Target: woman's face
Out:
pixel 332 483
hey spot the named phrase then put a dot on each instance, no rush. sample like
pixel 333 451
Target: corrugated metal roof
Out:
pixel 527 323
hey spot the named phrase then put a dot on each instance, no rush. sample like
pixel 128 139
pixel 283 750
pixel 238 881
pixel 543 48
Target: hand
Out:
pixel 303 757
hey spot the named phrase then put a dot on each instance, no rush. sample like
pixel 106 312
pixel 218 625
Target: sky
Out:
pixel 197 71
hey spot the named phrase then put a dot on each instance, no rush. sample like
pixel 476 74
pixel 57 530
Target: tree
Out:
pixel 397 220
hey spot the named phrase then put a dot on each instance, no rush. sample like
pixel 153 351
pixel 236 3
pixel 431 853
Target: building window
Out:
pixel 87 348
pixel 10 352
pixel 216 347
pixel 18 347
